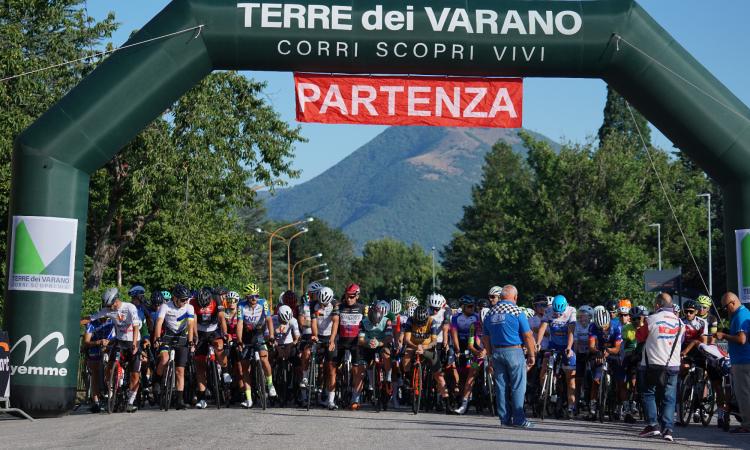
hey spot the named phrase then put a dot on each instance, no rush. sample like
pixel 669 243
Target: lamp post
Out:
pixel 289 256
pixel 294 267
pixel 658 237
pixel 270 250
pixel 323 279
pixel 302 277
pixel 710 266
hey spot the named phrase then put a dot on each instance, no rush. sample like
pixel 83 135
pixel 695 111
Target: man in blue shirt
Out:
pixel 505 329
pixel 739 354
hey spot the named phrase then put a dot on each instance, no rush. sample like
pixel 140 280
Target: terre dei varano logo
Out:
pixel 43 254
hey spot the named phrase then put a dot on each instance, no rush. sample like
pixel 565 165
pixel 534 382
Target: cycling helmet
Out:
pixel 676 309
pixel 251 289
pixel 467 300
pixel 411 300
pixel 559 304
pixel 289 298
pixel 204 297
pixel 612 306
pixel 166 294
pixel 482 303
pixel 601 318
pixel 395 306
pixel 704 301
pixel 285 313
pixel 376 312
pixel 421 315
pixel 586 309
pixel 637 312
pixel 313 289
pixel 352 289
pixel 137 290
pixel 435 301
pixel 180 292
pixel 110 296
pixel 384 305
pixel 495 290
pixel 549 300
pixel 453 304
pixel 483 313
pixel 325 296
pixel 156 300
pixel 233 295
pixel 540 300
pixel 690 304
pixel 529 312
pixel 221 290
pixel 624 306
pixel 410 310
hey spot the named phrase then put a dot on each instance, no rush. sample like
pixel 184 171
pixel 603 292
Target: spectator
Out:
pixel 739 355
pixel 660 364
pixel 505 326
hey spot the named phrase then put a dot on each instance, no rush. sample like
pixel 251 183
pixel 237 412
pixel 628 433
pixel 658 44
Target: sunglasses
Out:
pixel 352 296
pixel 493 296
pixel 689 311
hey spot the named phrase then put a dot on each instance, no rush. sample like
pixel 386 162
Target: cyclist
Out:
pixel 211 329
pixel 286 330
pixel 612 308
pixel 253 321
pixel 560 319
pixel 441 321
pixel 605 339
pixel 629 344
pixel 398 319
pixel 305 323
pixel 464 329
pixel 581 347
pixel 483 308
pixel 696 333
pixel 174 328
pixel 376 335
pixel 153 303
pixel 231 320
pixel 137 295
pixel 290 299
pixel 714 373
pixel 633 354
pixel 96 337
pixel 127 324
pixel 540 305
pixel 350 314
pixel 420 338
pixel 494 295
pixel 324 323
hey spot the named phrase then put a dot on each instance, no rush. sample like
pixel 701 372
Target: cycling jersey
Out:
pixel 713 323
pixel 558 326
pixel 440 318
pixel 253 317
pixel 379 331
pixel 285 332
pixel 581 338
pixel 324 318
pixel 402 319
pixel 176 320
pixel 695 329
pixel 208 316
pixel 605 339
pixel 535 322
pixel 628 338
pixel 99 330
pixel 124 319
pixel 395 324
pixel 465 326
pixel 421 334
pixel 305 313
pixel 350 320
pixel 144 325
pixel 230 316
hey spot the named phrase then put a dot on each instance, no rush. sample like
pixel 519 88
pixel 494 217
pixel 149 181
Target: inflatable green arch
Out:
pixel 53 159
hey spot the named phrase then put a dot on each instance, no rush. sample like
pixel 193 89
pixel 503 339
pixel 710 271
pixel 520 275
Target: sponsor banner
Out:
pixel 743 264
pixel 4 365
pixel 42 254
pixel 391 100
pixel 51 354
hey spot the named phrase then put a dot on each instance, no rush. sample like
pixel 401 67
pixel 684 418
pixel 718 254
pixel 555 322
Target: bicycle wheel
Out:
pixel 167 386
pixel 312 379
pixel 489 384
pixel 260 384
pixel 603 394
pixel 113 387
pixel 685 400
pixel 708 405
pixel 376 388
pixel 213 379
pixel 544 395
pixel 416 388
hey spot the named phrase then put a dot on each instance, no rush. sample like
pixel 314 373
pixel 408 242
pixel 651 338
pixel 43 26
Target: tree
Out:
pixel 34 35
pixel 386 264
pixel 198 160
pixel 617 119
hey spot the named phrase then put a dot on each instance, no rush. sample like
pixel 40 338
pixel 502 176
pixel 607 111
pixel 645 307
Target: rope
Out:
pixel 106 52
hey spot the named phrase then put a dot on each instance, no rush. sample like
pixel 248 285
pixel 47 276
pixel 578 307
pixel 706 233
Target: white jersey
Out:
pixel 125 318
pixel 305 312
pixel 176 320
pixel 581 338
pixel 324 318
pixel 439 319
pixel 534 323
pixel 285 333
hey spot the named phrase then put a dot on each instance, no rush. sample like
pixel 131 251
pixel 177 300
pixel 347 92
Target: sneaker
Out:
pixel 303 383
pixel 131 408
pixel 649 431
pixel 180 405
pixel 95 408
pixel 271 391
pixel 247 404
pixel 462 409
pixel 696 417
pixel 201 404
pixel 526 424
pixel 332 406
pixel 667 435
pixel 354 406
pixel 227 377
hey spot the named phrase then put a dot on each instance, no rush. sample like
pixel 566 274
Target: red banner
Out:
pixel 390 100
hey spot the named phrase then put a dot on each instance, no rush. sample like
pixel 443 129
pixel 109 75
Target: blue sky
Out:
pixel 714 32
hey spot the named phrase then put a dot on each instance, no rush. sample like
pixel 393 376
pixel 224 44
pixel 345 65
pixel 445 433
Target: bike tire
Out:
pixel 167 386
pixel 544 395
pixel 416 389
pixel 685 401
pixel 708 405
pixel 491 393
pixel 212 369
pixel 312 379
pixel 603 393
pixel 113 387
pixel 261 385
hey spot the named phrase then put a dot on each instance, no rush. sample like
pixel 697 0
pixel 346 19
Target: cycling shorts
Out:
pixel 251 344
pixel 568 362
pixel 290 349
pixel 204 338
pixel 126 349
pixel 347 344
pixel 323 355
pixel 615 369
pixel 582 359
pixel 430 359
pixel 179 344
pixel 305 341
pixel 367 354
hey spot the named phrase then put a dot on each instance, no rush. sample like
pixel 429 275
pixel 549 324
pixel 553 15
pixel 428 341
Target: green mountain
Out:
pixel 408 183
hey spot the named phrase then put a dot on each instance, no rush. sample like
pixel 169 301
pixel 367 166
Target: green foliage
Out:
pixel 388 264
pixel 617 120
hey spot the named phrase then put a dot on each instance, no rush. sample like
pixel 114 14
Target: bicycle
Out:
pixel 168 377
pixel 283 376
pixel 552 394
pixel 381 388
pixel 606 394
pixel 691 398
pixel 312 380
pixel 119 376
pixel 416 384
pixel 344 381
pixel 215 380
pixel 259 379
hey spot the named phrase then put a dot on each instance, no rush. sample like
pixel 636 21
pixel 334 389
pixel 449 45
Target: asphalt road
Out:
pixel 292 428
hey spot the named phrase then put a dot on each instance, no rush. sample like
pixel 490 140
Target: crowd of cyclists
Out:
pixel 215 347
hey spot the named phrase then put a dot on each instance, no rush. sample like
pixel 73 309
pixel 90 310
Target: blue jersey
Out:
pixel 99 330
pixel 558 325
pixel 605 339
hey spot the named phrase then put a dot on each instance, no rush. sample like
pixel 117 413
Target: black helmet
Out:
pixel 540 299
pixel 453 304
pixel 205 296
pixel 421 314
pixel 180 292
pixel 483 303
pixel 156 300
pixel 690 304
pixel 375 313
pixel 467 300
pixel 612 306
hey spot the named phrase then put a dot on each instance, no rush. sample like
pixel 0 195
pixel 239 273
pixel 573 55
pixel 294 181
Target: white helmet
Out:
pixel 549 300
pixel 285 313
pixel 395 306
pixel 495 290
pixel 586 309
pixel 325 296
pixel 109 296
pixel 233 295
pixel 410 310
pixel 435 301
pixel 411 300
pixel 601 318
pixel 314 287
pixel 529 312
pixel 483 313
pixel 384 305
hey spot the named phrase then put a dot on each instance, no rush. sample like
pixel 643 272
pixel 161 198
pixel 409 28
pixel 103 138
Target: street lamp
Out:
pixel 294 267
pixel 302 277
pixel 323 279
pixel 658 237
pixel 710 267
pixel 270 250
pixel 289 256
